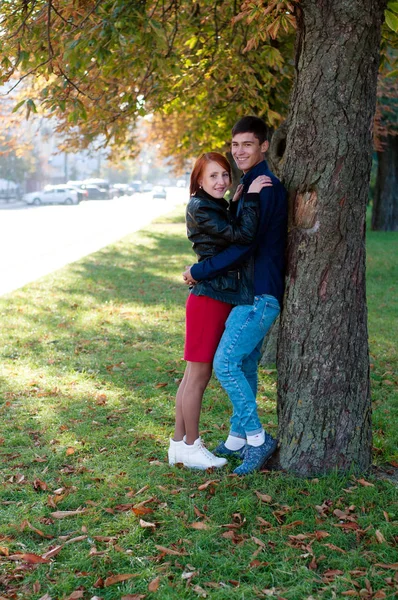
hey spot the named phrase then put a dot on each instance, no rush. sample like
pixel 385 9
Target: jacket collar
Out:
pixel 259 169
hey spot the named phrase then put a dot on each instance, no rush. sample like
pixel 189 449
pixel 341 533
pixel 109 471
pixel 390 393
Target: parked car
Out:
pixel 136 185
pixel 159 192
pixel 121 189
pixel 82 194
pixel 95 192
pixel 146 187
pixel 52 194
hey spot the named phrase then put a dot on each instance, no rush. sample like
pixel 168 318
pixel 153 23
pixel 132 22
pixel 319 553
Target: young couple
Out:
pixel 236 291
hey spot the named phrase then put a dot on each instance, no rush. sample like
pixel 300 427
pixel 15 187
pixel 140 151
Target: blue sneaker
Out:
pixel 222 450
pixel 256 456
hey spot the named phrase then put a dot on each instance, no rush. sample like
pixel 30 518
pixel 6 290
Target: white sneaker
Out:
pixel 197 456
pixel 176 452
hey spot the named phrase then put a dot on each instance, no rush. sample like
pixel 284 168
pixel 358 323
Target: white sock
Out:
pixel 256 440
pixel 234 443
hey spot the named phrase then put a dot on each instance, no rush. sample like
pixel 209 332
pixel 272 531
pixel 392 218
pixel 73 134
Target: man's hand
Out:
pixel 187 277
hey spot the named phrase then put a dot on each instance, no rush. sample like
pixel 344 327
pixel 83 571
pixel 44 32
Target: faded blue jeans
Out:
pixel 237 358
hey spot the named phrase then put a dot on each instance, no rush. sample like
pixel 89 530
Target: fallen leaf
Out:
pixel 200 591
pixel 70 451
pixel 263 497
pixel 365 483
pixel 53 552
pixel 169 551
pixel 36 587
pixel 199 525
pixel 133 597
pixel 336 548
pixel 4 551
pixel 141 510
pixel 380 594
pixel 205 485
pixel 350 593
pixel 320 535
pixel 146 524
pixel 63 514
pixel 26 523
pixel 118 578
pixel 380 537
pixel 38 484
pixel 45 597
pixel 29 558
pixel 154 584
pixel 258 542
pixel 160 385
pixel 75 595
pixel 393 566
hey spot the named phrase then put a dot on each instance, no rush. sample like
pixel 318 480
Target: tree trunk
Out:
pixel 324 406
pixel 385 203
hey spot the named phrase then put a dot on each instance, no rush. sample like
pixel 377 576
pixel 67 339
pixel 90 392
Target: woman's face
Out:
pixel 214 179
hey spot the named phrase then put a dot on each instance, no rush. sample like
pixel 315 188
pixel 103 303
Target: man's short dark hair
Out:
pixel 253 125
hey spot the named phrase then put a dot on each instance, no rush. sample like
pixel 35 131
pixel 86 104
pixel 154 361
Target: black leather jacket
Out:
pixel 211 229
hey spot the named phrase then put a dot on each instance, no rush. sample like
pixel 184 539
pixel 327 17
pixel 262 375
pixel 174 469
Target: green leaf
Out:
pixel 17 106
pixel 393 73
pixel 393 6
pixel 392 21
pixel 31 105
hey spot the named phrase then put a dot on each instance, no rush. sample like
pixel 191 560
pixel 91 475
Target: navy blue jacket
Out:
pixel 268 247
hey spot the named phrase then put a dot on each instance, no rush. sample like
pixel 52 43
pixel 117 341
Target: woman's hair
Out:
pixel 197 171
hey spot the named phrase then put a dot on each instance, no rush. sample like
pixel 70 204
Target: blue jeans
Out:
pixel 237 357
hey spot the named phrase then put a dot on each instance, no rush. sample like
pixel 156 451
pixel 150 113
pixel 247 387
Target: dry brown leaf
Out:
pixel 63 514
pixel 169 551
pixel 379 536
pixel 154 584
pixel 199 525
pixel 200 591
pixel 205 485
pixel 26 523
pixel 70 451
pixel 141 510
pixel 350 593
pixel 258 542
pixel 263 497
pixel 133 597
pixel 320 535
pixel 29 558
pixel 38 484
pixel 365 483
pixel 160 385
pixel 118 578
pixel 53 552
pixel 380 595
pixel 336 548
pixel 147 524
pixel 46 597
pixel 393 566
pixel 4 551
pixel 75 595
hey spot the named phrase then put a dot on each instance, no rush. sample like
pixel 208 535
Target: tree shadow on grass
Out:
pixel 103 344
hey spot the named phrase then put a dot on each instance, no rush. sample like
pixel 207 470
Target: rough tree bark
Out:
pixel 385 203
pixel 324 406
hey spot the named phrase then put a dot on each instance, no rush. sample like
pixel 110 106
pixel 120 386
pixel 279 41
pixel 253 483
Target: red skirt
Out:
pixel 204 325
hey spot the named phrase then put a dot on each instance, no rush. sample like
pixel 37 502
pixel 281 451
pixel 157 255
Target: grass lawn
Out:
pixel 90 361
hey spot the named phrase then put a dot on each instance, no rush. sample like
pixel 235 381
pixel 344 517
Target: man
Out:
pixel 239 351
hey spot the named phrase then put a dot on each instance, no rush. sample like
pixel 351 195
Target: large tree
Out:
pixel 106 63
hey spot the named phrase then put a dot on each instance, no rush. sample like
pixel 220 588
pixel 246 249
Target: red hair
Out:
pixel 197 171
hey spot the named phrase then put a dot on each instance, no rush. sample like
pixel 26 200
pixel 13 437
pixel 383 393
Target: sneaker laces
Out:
pixel 205 451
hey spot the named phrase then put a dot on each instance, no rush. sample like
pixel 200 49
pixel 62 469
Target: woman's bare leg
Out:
pixel 198 376
pixel 179 429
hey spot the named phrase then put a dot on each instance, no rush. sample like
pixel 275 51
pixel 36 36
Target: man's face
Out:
pixel 247 150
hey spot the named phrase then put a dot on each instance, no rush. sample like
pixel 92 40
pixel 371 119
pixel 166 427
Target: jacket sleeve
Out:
pixel 216 223
pixel 236 253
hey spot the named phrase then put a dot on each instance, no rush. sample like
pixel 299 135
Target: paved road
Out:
pixel 35 241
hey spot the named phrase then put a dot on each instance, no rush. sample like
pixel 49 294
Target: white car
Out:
pixel 53 194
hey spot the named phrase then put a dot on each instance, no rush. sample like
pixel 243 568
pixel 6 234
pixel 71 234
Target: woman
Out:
pixel 210 229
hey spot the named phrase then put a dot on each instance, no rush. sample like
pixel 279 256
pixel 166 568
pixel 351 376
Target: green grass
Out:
pixel 91 357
